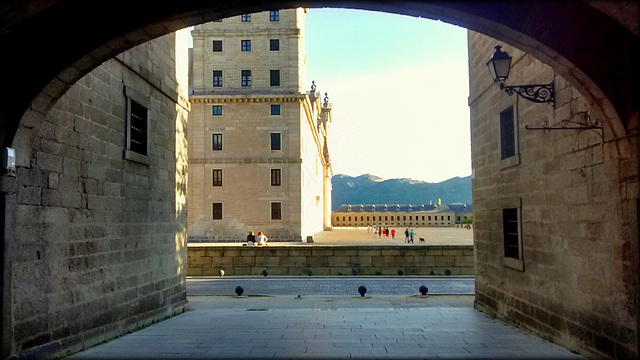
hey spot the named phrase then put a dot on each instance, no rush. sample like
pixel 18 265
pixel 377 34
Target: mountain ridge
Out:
pixel 372 189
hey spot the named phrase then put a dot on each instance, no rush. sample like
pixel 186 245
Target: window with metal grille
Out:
pixel 511 237
pixel 507 133
pixel 245 45
pixel 246 18
pixel 216 110
pixel 138 128
pixel 274 15
pixel 216 209
pixel 276 211
pixel 274 44
pixel 217 177
pixel 246 78
pixel 217 78
pixel 275 77
pixel 276 110
pixel 276 141
pixel 216 141
pixel 217 45
pixel 276 177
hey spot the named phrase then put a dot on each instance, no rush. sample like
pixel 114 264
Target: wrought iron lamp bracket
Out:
pixel 586 124
pixel 538 93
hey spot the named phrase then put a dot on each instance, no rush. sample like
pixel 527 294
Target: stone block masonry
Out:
pixel 208 260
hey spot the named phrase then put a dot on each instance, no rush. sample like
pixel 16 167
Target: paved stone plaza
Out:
pixel 325 325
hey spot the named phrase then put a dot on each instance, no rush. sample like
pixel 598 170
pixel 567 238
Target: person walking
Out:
pixel 406 235
pixel 393 233
pixel 411 233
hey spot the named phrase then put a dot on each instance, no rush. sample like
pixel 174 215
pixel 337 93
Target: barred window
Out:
pixel 274 45
pixel 138 128
pixel 217 45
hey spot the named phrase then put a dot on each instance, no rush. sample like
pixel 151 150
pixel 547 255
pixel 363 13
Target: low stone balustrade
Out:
pixel 323 260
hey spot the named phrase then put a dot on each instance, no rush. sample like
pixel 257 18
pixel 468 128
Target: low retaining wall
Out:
pixel 208 260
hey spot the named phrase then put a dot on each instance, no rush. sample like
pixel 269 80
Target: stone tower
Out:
pixel 258 157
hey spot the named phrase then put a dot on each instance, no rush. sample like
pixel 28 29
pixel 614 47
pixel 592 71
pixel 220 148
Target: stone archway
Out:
pixel 57 43
pixel 594 51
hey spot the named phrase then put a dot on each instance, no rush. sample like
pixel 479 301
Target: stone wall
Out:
pixel 576 193
pixel 329 260
pixel 98 245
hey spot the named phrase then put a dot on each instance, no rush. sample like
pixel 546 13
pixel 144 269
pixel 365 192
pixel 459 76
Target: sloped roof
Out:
pixel 393 208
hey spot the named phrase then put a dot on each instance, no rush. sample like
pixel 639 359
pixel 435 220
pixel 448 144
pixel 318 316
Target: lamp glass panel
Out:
pixel 502 67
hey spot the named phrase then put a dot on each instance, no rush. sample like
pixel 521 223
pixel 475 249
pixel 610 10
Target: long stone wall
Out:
pixel 208 260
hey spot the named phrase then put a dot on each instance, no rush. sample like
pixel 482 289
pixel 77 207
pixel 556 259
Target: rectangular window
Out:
pixel 217 20
pixel 274 15
pixel 246 78
pixel 217 78
pixel 246 18
pixel 217 45
pixel 216 110
pixel 275 110
pixel 274 78
pixel 276 211
pixel 276 141
pixel 276 177
pixel 216 211
pixel 216 141
pixel 245 45
pixel 217 177
pixel 511 237
pixel 507 133
pixel 137 128
pixel 274 44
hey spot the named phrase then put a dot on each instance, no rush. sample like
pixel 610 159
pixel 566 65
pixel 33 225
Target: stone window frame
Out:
pixel 213 212
pixel 216 177
pixel 510 262
pixel 217 81
pixel 271 134
pixel 273 210
pixel 221 141
pixel 515 159
pixel 271 77
pixel 278 107
pixel 214 47
pixel 273 42
pixel 217 113
pixel 276 176
pixel 245 45
pixel 245 18
pixel 245 78
pixel 133 95
pixel 274 15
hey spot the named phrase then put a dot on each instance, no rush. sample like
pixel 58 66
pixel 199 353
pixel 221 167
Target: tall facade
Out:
pixel 555 221
pixel 437 214
pixel 258 154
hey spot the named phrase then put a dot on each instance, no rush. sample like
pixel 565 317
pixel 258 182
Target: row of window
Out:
pixel 245 45
pixel 276 211
pixel 273 16
pixel 276 177
pixel 276 141
pixel 404 218
pixel 217 110
pixel 245 78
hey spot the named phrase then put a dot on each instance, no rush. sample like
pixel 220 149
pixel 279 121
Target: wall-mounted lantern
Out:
pixel 500 65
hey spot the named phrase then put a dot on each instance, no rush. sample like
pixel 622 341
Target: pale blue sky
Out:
pixel 399 89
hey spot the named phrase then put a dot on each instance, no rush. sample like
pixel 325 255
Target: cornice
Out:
pixel 245 98
pixel 253 160
pixel 260 31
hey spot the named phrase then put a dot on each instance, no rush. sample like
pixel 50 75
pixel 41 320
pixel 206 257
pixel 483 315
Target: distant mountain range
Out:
pixel 370 189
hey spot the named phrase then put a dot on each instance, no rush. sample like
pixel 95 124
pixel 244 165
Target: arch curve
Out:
pixel 54 44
